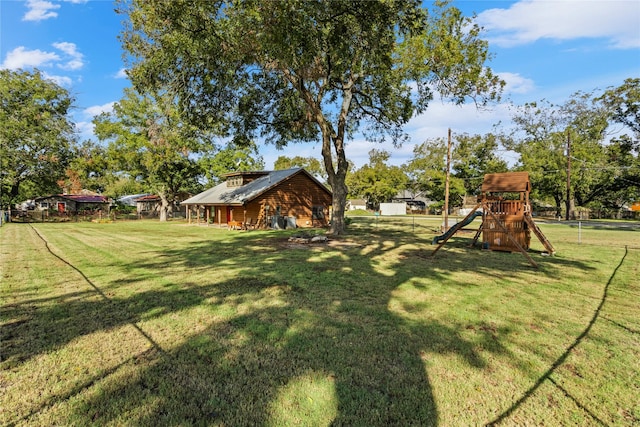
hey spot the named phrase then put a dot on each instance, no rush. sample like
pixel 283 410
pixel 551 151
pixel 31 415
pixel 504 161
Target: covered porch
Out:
pixel 217 215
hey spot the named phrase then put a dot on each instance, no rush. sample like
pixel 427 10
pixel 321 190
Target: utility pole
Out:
pixel 446 184
pixel 568 203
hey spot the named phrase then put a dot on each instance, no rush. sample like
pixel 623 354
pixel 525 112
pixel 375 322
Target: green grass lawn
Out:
pixel 142 323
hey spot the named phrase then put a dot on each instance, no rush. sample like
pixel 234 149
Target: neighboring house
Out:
pixel 354 204
pixel 264 199
pixel 72 203
pixel 148 205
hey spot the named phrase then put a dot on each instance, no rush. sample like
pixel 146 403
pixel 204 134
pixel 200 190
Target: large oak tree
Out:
pixel 36 135
pixel 301 71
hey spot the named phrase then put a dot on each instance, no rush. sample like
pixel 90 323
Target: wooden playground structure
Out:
pixel 507 222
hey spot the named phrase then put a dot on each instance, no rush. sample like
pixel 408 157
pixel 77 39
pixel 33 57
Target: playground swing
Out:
pixel 506 223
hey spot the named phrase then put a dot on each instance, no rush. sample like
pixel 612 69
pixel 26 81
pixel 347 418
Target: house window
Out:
pixel 44 205
pixel 317 212
pixel 234 181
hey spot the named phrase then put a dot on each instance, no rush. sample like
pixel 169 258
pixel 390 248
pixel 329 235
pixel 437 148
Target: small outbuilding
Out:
pixel 263 199
pixel 150 206
pixel 356 204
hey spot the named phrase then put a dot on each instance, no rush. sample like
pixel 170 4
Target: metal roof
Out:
pixel 130 200
pixel 81 198
pixel 221 194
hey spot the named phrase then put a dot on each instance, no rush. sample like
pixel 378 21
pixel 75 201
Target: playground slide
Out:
pixel 456 227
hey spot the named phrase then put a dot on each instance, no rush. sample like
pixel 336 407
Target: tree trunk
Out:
pixel 336 177
pixel 164 207
pixel 572 209
pixel 558 200
pixel 339 207
pixel 13 194
pixel 332 143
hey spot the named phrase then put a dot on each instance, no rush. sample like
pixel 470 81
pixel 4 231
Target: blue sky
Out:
pixel 543 49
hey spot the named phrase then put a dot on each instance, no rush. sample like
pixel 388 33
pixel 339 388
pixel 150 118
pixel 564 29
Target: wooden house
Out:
pixel 263 199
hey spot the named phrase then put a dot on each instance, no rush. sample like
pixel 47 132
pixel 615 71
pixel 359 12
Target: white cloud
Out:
pixel 530 20
pixel 517 84
pixel 98 109
pixel 84 119
pixel 20 57
pixel 85 129
pixel 121 74
pixel 75 61
pixel 63 81
pixel 439 117
pixel 39 10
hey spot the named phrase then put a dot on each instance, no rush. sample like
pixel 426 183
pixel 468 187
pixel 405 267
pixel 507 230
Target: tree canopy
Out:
pixel 36 135
pixel 567 144
pixel 310 164
pixel 231 158
pixel 624 103
pixel 148 143
pixel 299 71
pixel 473 157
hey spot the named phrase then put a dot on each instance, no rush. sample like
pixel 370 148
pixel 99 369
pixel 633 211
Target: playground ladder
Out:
pixel 538 233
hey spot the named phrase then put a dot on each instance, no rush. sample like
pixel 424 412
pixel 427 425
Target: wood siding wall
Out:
pixel 296 198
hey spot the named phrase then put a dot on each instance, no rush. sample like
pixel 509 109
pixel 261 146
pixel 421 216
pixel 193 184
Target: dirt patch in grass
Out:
pixel 331 242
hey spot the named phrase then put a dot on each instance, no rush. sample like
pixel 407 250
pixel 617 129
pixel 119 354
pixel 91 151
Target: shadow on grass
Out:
pixel 332 331
pixel 560 360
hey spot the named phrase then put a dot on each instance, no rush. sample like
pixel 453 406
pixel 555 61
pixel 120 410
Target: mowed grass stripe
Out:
pixel 112 263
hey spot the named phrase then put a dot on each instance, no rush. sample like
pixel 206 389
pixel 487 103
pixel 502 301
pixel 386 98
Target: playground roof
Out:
pixel 506 182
